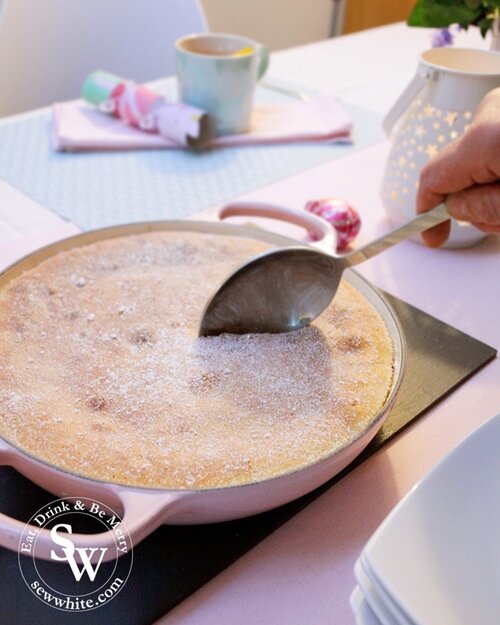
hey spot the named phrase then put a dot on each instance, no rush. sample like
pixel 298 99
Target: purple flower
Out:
pixel 441 38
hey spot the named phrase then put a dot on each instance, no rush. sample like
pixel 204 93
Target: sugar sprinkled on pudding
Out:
pixel 102 373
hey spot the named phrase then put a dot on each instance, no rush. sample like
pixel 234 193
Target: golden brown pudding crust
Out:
pixel 102 374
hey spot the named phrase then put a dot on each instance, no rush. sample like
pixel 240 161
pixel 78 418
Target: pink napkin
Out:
pixel 79 126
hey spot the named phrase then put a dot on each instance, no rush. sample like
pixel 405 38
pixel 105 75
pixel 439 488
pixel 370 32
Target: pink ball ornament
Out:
pixel 341 215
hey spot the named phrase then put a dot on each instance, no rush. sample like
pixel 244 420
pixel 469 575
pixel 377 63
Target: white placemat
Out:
pixel 26 225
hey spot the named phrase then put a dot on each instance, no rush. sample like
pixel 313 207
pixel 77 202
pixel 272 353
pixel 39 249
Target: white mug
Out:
pixel 218 73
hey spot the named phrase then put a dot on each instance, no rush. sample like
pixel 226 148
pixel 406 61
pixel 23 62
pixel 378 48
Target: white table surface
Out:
pixel 302 573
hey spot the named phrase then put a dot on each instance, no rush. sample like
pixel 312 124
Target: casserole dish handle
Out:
pixel 143 512
pixel 324 235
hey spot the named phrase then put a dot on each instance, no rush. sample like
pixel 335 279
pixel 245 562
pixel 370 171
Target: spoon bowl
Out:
pixel 285 289
pixel 277 291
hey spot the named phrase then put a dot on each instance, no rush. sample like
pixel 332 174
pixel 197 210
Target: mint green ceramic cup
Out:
pixel 218 73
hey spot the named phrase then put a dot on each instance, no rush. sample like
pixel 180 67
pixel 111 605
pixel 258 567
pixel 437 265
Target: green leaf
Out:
pixel 473 4
pixel 442 13
pixel 484 25
pixel 491 4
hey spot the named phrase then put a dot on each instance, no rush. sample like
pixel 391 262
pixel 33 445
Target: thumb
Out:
pixel 479 204
pixel 436 236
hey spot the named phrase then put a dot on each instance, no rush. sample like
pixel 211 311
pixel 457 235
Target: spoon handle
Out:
pixel 419 224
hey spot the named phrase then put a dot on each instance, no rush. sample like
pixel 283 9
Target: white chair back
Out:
pixel 47 47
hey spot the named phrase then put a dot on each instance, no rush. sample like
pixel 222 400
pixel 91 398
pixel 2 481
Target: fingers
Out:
pixel 472 160
pixel 479 204
pixel 438 178
pixel 438 235
pixel 466 174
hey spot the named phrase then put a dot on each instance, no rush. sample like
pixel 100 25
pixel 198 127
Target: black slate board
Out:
pixel 167 566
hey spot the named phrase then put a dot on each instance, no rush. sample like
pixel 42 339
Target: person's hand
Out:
pixel 466 175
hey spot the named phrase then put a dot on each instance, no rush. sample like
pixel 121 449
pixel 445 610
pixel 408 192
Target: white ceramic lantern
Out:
pixel 435 109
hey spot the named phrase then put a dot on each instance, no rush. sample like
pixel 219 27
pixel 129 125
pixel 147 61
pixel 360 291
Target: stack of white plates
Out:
pixel 435 560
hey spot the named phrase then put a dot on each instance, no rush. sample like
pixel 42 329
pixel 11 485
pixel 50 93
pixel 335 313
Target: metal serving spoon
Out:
pixel 285 289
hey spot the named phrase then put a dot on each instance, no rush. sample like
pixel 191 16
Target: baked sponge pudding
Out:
pixel 102 373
